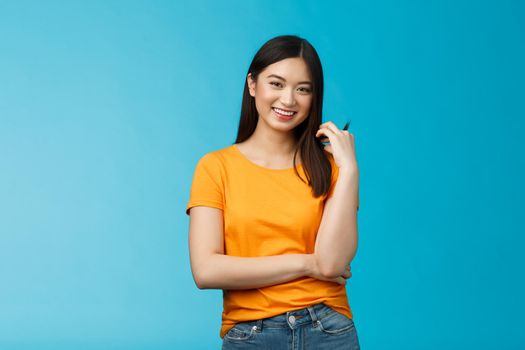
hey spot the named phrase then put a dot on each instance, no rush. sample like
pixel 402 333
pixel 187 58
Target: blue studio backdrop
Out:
pixel 106 107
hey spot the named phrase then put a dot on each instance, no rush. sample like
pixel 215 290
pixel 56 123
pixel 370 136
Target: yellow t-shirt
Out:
pixel 266 212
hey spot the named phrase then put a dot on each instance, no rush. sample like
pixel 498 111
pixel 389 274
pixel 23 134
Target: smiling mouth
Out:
pixel 284 113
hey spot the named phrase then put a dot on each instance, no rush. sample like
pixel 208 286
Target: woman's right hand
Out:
pixel 315 273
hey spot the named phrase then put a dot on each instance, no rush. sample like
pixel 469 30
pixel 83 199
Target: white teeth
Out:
pixel 280 111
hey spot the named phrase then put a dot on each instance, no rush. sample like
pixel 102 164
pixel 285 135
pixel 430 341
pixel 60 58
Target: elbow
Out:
pixel 331 271
pixel 328 268
pixel 333 268
pixel 205 274
pixel 201 279
pixel 200 282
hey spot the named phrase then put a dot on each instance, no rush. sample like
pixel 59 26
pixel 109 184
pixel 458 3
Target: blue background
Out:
pixel 106 106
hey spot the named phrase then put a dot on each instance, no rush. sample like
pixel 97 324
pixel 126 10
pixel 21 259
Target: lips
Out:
pixel 283 117
pixel 287 111
pixel 283 109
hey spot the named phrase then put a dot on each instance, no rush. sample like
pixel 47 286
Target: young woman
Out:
pixel 273 217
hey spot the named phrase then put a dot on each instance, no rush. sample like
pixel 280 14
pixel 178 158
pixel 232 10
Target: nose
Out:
pixel 287 98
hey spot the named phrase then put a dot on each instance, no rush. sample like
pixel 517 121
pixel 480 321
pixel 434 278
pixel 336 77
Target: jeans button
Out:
pixel 291 319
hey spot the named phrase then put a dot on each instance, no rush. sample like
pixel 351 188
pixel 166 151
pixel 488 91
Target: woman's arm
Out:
pixel 336 242
pixel 212 269
pixel 231 272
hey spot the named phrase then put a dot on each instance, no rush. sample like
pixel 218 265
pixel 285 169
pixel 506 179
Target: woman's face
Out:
pixel 283 93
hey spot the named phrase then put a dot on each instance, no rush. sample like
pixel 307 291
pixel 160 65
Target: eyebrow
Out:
pixel 278 77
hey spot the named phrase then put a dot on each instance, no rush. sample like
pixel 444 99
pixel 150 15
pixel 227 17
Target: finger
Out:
pixel 330 125
pixel 338 280
pixel 326 132
pixel 349 135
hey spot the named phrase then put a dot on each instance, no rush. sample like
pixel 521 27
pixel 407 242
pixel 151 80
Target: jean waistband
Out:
pixel 295 318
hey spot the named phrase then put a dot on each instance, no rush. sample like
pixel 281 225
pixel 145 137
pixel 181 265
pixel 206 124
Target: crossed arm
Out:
pixel 335 247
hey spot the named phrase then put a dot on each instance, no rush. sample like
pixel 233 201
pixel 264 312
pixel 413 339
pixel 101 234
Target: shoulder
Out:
pixel 216 161
pixel 217 157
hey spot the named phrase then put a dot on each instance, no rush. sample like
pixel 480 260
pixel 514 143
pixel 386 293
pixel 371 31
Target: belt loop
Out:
pixel 312 315
pixel 259 325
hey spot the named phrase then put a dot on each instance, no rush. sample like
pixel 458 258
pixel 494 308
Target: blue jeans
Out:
pixel 316 327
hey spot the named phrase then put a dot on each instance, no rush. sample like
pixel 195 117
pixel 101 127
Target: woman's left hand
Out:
pixel 342 146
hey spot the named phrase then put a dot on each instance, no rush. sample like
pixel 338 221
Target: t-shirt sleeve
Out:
pixel 207 188
pixel 335 175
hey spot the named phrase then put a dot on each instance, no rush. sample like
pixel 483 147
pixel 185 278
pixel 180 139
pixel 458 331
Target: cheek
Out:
pixel 262 103
pixel 264 99
pixel 268 96
pixel 306 103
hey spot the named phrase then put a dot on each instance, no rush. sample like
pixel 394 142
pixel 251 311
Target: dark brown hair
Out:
pixel 315 162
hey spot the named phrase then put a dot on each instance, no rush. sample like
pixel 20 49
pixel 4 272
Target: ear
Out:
pixel 251 84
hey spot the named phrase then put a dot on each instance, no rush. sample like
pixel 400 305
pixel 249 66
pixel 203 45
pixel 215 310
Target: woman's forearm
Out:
pixel 233 272
pixel 336 242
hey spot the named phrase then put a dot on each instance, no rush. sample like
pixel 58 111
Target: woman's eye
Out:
pixel 307 90
pixel 275 83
